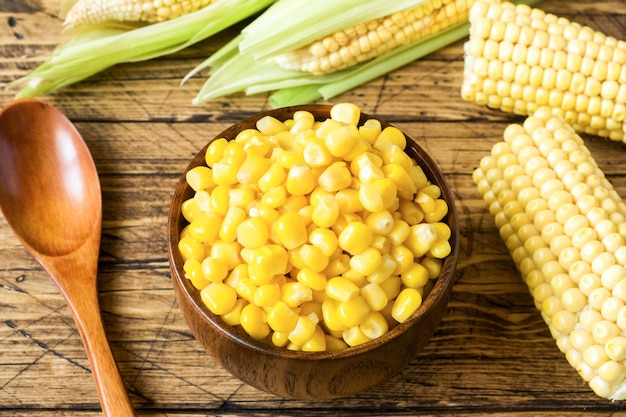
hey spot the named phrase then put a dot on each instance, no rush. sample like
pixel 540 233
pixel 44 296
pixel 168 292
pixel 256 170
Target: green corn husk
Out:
pixel 90 52
pixel 245 65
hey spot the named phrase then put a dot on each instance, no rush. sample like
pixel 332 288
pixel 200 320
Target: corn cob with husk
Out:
pixel 565 227
pixel 519 59
pixel 85 14
pixel 107 32
pixel 353 43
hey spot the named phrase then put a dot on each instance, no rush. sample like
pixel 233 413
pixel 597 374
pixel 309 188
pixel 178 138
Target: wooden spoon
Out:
pixel 50 197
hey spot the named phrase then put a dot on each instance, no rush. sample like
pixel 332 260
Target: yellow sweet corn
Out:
pixel 519 59
pixel 99 12
pixel 310 268
pixel 367 40
pixel 563 223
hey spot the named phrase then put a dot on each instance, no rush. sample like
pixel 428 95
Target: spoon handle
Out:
pixel 113 395
pixel 81 295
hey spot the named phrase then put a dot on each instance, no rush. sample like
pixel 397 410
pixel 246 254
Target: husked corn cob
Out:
pixel 519 59
pixel 96 12
pixel 370 39
pixel 564 225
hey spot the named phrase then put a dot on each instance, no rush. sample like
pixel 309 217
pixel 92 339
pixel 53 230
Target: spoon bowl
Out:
pixel 50 197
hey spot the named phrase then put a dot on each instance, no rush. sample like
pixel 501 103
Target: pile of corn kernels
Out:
pixel 313 235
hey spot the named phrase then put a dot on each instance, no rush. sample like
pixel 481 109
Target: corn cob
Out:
pixel 370 39
pixel 519 59
pixel 89 13
pixel 564 226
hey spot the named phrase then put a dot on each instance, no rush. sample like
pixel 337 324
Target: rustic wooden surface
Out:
pixel 492 354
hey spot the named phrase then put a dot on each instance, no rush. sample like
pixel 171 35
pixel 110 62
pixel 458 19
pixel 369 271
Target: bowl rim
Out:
pixel 436 294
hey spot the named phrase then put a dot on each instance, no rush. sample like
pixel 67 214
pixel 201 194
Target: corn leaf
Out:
pixel 247 65
pixel 91 52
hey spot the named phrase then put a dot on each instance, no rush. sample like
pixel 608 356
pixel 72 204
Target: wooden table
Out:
pixel 491 355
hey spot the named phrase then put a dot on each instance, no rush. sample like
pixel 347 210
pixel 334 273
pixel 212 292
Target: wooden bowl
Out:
pixel 311 375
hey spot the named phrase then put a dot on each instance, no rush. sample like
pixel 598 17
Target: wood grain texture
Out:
pixel 491 356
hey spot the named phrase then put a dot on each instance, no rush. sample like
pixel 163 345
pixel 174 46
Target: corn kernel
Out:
pixel 347 113
pixel 401 179
pixel 205 227
pixel 281 317
pixel 288 159
pixel 390 136
pixel 370 130
pixel 253 168
pixel 374 325
pixel 290 230
pixel 296 293
pixel 191 248
pixel 421 238
pixel 316 154
pixel 326 212
pixel 440 211
pixel 404 258
pixel 193 272
pixel 269 125
pixel 387 266
pixel 312 257
pixel 220 199
pixel 228 229
pixel 380 222
pixel 215 151
pixel 233 317
pixel 355 238
pixel 303 331
pixel 225 171
pixel 339 141
pixel 432 265
pixel 407 303
pixel 415 277
pixel 275 197
pixel 375 296
pixel 325 240
pixel 399 232
pixel 190 209
pixel 330 315
pixel 253 322
pixel 242 196
pixel 317 342
pixel 354 336
pixel 273 176
pixel 214 270
pixel 280 339
pixel 218 297
pixel 228 252
pixel 337 265
pixel 267 262
pixel 200 178
pixel 335 177
pixel 334 343
pixel 367 261
pixel 266 295
pixel 252 233
pixel 411 213
pixel 341 289
pixel 300 180
pixel 313 279
pixel 352 312
pixel 348 200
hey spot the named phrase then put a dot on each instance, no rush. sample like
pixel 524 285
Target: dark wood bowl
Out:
pixel 311 375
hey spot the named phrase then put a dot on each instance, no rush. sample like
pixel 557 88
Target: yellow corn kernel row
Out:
pixel 370 39
pixel 85 13
pixel 313 235
pixel 519 59
pixel 564 225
